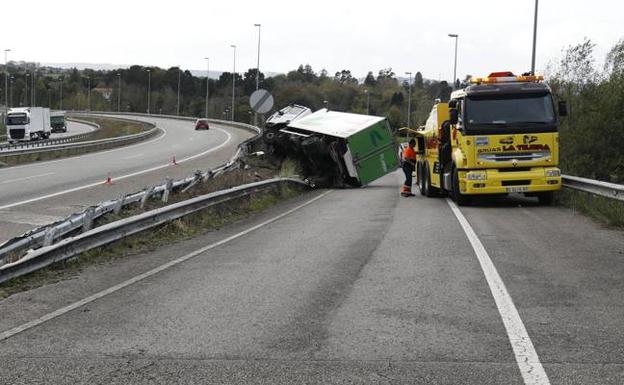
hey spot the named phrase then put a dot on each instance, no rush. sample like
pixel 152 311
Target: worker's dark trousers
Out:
pixel 408 169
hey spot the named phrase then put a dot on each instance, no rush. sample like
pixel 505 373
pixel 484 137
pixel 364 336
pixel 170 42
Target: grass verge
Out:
pixel 112 128
pixel 192 225
pixel 604 210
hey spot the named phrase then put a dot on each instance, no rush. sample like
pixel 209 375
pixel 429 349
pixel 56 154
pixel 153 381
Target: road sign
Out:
pixel 261 101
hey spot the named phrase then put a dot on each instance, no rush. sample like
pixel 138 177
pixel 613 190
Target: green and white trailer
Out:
pixel 361 147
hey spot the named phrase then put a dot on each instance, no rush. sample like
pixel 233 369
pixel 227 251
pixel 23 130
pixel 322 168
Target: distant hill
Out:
pixel 110 67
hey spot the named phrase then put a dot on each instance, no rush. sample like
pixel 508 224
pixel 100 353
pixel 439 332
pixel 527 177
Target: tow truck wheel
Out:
pixel 419 178
pixel 430 191
pixel 546 198
pixel 456 195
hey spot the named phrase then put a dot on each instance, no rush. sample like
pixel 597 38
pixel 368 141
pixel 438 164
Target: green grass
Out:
pixel 604 210
pixel 112 128
pixel 289 168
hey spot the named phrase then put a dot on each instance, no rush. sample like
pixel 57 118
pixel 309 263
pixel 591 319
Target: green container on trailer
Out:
pixel 371 149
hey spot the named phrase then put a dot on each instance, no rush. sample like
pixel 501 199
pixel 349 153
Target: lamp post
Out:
pixel 88 93
pixel 6 77
pixel 534 40
pixel 11 90
pixel 257 69
pixel 178 103
pixel 118 92
pixel 34 89
pixel 26 99
pixel 149 89
pixel 207 82
pixel 456 36
pixel 61 103
pixel 233 81
pixel 409 99
pixel 367 102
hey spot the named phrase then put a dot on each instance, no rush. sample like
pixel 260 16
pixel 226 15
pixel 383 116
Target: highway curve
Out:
pixel 39 193
pixel 353 286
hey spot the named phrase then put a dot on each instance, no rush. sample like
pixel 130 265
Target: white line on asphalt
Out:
pixel 28 325
pixel 26 178
pixel 528 362
pixel 134 156
pixel 229 137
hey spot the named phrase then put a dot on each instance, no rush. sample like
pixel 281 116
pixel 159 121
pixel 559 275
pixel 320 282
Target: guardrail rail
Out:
pixel 605 189
pixel 33 249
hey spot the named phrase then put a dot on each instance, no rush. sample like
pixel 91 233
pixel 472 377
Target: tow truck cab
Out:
pixel 497 136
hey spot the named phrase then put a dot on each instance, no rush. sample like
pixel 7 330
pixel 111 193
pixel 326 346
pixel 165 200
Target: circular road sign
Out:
pixel 261 101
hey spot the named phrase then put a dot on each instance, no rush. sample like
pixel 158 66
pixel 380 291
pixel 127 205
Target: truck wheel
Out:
pixel 456 195
pixel 420 180
pixel 546 198
pixel 430 191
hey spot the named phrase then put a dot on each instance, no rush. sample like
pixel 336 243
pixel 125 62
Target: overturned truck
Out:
pixel 333 148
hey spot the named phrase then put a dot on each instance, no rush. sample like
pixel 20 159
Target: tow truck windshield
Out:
pixel 529 113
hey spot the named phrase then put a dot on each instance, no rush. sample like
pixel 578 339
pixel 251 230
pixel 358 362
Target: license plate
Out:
pixel 517 189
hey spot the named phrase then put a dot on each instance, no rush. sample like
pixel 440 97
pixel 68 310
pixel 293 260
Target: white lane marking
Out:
pixel 526 357
pixel 229 137
pixel 133 156
pixel 26 178
pixel 28 325
pixel 47 162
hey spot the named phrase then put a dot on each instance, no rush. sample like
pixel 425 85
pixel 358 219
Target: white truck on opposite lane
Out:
pixel 28 123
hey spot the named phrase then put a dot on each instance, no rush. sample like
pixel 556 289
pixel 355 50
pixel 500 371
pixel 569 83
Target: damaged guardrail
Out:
pixel 605 189
pixel 22 247
pixel 114 231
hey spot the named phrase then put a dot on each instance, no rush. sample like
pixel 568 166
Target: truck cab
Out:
pixel 57 121
pixel 499 135
pixel 29 123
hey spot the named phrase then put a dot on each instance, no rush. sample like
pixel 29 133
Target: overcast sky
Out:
pixel 355 35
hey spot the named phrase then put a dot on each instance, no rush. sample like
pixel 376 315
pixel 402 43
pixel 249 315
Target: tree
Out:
pixel 345 76
pixel 370 79
pixel 418 80
pixel 615 59
pixel 397 99
pixel 385 73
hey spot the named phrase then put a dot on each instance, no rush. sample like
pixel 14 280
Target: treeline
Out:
pixel 378 94
pixel 592 136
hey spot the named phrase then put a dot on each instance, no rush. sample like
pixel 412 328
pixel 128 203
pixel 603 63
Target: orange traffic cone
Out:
pixel 109 180
pixel 173 161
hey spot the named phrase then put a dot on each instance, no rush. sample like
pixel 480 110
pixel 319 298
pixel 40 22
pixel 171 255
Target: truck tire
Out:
pixel 420 180
pixel 456 194
pixel 546 198
pixel 430 191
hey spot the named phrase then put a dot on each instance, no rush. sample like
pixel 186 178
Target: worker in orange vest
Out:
pixel 409 165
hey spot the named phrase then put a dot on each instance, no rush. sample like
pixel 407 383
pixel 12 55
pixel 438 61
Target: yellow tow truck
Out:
pixel 499 135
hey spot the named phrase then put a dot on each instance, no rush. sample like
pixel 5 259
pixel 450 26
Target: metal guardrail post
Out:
pixel 146 195
pixel 168 186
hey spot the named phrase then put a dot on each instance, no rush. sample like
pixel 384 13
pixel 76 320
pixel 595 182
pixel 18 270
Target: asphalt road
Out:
pixel 358 286
pixel 39 193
